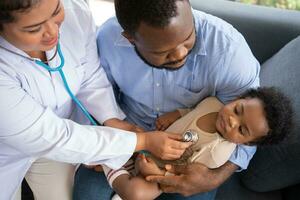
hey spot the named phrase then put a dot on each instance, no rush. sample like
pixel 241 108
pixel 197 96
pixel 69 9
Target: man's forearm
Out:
pixel 221 174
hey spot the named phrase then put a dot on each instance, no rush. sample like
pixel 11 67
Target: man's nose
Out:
pixel 180 53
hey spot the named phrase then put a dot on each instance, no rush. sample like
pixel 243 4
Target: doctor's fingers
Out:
pixel 176 153
pixel 179 145
pixel 175 136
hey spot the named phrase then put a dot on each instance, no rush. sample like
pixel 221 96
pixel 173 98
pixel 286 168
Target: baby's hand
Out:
pixel 146 166
pixel 165 120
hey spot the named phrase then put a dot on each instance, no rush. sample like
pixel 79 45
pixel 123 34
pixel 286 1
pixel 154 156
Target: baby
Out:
pixel 260 116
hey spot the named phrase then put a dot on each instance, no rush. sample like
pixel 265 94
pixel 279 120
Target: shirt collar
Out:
pixel 122 41
pixel 199 48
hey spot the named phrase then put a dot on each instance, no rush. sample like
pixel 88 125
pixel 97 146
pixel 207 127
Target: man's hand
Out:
pixel 165 120
pixel 193 178
pixel 120 124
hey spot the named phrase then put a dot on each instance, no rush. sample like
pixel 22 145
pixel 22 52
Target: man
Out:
pixel 161 56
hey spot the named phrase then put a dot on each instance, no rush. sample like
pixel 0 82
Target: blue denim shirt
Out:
pixel 220 64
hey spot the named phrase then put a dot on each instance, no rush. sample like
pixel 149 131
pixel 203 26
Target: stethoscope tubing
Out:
pixel 59 69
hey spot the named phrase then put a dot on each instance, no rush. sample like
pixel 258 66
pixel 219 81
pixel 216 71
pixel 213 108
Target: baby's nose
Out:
pixel 233 122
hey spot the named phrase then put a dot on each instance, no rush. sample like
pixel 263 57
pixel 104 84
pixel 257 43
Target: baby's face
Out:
pixel 242 121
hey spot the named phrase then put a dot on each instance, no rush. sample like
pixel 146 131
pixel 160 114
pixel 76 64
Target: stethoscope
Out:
pixel 62 75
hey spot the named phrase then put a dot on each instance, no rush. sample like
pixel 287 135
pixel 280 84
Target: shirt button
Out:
pixel 157 84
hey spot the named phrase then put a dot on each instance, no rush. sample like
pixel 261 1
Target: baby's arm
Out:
pixel 165 120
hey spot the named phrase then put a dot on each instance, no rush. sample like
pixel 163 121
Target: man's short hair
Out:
pixel 156 13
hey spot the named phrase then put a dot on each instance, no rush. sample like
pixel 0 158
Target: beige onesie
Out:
pixel 211 149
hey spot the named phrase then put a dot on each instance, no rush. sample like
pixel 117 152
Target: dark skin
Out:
pixel 193 178
pixel 168 47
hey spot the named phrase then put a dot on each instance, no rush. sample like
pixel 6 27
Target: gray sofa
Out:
pixel 268 32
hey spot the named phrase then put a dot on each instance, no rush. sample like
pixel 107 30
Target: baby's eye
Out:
pixel 241 130
pixel 236 110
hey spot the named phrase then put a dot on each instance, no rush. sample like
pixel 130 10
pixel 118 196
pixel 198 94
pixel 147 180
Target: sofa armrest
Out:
pixel 266 29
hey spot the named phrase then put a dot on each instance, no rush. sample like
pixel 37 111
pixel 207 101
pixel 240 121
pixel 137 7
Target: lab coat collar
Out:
pixel 4 43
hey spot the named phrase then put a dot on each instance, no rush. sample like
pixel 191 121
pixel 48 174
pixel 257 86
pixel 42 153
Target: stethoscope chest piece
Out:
pixel 190 136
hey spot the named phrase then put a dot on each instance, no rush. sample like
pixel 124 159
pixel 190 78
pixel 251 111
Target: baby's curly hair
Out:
pixel 156 13
pixel 279 113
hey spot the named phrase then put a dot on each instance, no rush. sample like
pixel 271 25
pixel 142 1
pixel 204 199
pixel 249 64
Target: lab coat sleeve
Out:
pixel 96 92
pixel 32 129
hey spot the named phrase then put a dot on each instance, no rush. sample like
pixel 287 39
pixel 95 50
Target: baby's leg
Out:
pixel 128 186
pixel 135 188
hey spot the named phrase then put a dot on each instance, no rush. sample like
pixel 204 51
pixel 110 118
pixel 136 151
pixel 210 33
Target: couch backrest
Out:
pixel 266 30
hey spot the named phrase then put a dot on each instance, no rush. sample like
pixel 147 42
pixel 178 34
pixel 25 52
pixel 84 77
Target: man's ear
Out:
pixel 128 36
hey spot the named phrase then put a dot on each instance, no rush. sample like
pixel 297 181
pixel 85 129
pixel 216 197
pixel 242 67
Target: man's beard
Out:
pixel 164 65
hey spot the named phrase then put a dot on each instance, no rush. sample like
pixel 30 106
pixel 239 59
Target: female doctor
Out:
pixel 50 80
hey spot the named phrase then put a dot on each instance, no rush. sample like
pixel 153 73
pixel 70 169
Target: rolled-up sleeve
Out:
pixel 242 156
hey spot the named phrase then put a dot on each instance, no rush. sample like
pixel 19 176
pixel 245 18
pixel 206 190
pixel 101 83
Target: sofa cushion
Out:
pixel 233 189
pixel 278 166
pixel 266 29
pixel 283 71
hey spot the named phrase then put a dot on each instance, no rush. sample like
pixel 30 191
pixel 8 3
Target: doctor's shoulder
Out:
pixel 77 13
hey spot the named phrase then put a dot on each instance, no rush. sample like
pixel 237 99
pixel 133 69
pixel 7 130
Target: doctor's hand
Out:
pixel 163 145
pixel 193 178
pixel 120 124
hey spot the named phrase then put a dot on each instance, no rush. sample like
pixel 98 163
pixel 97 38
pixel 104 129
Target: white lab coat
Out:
pixel 35 109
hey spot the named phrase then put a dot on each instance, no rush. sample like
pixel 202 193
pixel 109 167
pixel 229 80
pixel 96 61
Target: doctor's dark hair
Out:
pixel 7 7
pixel 156 13
pixel 278 111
